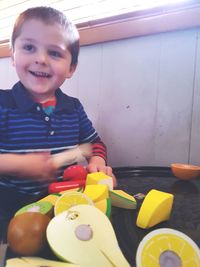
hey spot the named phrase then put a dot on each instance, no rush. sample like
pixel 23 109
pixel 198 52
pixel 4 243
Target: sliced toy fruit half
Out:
pixel 121 199
pixel 167 247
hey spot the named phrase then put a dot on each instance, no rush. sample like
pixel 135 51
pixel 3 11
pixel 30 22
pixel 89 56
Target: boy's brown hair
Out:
pixel 50 15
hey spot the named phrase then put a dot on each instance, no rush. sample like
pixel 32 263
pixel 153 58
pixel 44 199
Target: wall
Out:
pixel 142 94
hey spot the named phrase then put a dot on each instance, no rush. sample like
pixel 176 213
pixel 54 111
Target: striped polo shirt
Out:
pixel 25 128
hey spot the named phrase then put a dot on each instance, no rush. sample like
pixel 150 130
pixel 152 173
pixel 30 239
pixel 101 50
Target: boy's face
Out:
pixel 41 58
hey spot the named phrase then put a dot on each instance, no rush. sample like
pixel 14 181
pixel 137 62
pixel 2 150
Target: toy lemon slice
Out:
pixel 167 247
pixel 85 236
pixel 70 199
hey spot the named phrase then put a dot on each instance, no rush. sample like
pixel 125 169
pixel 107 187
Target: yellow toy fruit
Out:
pixel 121 199
pixel 155 208
pixel 78 189
pixel 83 235
pixel 99 178
pixel 96 192
pixel 105 206
pixel 36 262
pixel 70 199
pixel 167 247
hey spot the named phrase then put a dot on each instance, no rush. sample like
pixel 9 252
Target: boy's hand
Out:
pixel 38 166
pixel 97 164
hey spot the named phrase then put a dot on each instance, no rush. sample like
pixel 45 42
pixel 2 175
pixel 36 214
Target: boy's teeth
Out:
pixel 40 74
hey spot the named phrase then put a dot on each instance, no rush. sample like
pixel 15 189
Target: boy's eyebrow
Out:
pixel 57 47
pixel 28 39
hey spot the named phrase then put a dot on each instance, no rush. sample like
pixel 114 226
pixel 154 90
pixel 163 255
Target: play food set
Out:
pixel 85 236
pixel 96 192
pixel 27 233
pixel 185 171
pixel 155 208
pixel 37 262
pixel 99 178
pixel 70 199
pixel 75 172
pixel 80 231
pixel 167 247
pixel 105 206
pixel 61 186
pixel 43 207
pixel 121 199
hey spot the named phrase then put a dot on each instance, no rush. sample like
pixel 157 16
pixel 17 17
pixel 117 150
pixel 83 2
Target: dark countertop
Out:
pixel 185 215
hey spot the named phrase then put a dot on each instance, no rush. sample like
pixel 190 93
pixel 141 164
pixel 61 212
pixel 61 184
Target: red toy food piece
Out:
pixel 61 186
pixel 75 172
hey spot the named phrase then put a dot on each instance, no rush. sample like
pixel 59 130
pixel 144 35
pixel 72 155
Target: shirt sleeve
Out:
pixel 99 149
pixel 90 135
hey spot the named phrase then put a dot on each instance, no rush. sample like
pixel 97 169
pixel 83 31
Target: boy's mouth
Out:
pixel 40 74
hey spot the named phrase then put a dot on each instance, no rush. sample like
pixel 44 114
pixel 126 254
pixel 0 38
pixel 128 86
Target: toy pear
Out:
pixel 83 235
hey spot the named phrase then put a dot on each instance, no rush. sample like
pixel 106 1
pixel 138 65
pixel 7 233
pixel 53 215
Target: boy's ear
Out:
pixel 71 71
pixel 12 57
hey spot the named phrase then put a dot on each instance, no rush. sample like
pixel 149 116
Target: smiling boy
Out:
pixel 36 118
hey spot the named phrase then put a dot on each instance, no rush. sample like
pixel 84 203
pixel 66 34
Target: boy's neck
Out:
pixel 44 100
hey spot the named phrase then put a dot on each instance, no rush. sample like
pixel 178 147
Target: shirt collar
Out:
pixel 24 101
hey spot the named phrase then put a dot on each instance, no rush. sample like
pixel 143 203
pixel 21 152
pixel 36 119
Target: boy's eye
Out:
pixel 28 47
pixel 55 53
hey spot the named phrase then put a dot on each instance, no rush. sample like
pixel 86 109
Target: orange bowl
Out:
pixel 185 171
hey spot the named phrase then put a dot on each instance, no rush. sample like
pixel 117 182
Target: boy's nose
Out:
pixel 41 58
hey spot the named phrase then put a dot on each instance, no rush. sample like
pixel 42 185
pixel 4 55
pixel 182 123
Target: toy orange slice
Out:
pixel 70 199
pixel 167 247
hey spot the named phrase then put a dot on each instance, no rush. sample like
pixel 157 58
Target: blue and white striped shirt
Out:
pixel 25 128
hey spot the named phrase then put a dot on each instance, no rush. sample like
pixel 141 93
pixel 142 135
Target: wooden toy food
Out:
pixel 42 207
pixel 61 186
pixel 167 247
pixel 75 172
pixel 155 208
pixel 50 198
pixel 104 205
pixel 121 199
pixel 27 233
pixel 99 178
pixel 85 236
pixel 96 192
pixel 70 199
pixel 37 262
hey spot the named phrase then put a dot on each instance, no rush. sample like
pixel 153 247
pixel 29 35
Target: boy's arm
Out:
pixel 32 166
pixel 98 161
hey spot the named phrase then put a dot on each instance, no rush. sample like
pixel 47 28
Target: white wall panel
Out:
pixel 128 100
pixel 195 129
pixel 175 97
pixel 142 94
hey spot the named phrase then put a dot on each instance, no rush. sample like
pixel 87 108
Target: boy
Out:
pixel 36 118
